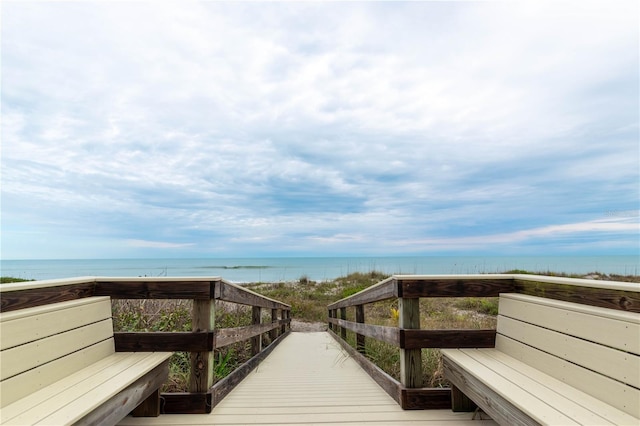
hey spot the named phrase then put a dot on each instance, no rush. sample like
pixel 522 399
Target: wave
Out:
pixel 237 267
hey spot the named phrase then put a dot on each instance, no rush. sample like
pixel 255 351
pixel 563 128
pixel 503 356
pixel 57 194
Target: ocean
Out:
pixel 243 270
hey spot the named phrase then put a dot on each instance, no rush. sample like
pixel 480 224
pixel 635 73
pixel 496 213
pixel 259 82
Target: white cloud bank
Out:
pixel 233 128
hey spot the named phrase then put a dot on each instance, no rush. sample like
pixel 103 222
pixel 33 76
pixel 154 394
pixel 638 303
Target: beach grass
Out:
pixel 309 300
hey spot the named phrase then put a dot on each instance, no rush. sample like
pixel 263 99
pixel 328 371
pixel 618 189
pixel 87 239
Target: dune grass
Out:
pixel 175 315
pixel 309 300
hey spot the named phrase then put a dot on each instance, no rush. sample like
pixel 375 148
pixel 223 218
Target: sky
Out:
pixel 253 129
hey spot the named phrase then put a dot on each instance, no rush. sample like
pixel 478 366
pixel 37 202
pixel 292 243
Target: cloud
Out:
pixel 318 128
pixel 156 244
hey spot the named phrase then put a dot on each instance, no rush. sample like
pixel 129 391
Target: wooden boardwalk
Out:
pixel 309 379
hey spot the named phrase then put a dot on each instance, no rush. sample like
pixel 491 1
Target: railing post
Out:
pixel 202 319
pixel 410 359
pixel 256 341
pixel 343 316
pixel 283 314
pixel 360 339
pixel 329 311
pixel 273 334
pixel 289 318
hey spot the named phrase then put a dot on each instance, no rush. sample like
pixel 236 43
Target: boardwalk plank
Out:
pixel 309 379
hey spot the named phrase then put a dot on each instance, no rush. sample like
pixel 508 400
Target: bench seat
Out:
pixel 554 363
pixel 58 366
pixel 111 382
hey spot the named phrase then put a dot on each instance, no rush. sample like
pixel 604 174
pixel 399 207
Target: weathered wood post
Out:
pixel 410 359
pixel 343 330
pixel 330 315
pixel 360 339
pixel 273 334
pixel 283 315
pixel 256 341
pixel 202 319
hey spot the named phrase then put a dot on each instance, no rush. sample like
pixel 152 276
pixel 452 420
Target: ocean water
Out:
pixel 242 270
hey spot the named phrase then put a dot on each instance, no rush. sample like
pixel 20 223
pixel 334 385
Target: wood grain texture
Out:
pixel 14 300
pixel 418 339
pixel 202 320
pixel 594 296
pixel 454 287
pixel 236 294
pixel 201 341
pixel 229 336
pixel 378 332
pixel 410 359
pixel 384 290
pixel 199 290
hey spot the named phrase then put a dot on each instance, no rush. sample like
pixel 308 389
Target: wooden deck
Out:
pixel 309 379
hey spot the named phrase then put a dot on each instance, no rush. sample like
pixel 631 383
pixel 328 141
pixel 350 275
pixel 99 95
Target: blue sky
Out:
pixel 223 129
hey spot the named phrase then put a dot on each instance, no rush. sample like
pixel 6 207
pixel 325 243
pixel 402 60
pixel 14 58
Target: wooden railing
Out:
pixel 201 342
pixel 411 339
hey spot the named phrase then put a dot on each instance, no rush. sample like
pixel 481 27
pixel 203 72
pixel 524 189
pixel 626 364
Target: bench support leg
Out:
pixel 150 407
pixel 461 402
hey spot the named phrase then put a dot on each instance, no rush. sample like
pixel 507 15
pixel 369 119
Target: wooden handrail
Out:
pixel 201 342
pixel 410 339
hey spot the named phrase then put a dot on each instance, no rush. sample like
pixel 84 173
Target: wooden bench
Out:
pixel 554 363
pixel 58 366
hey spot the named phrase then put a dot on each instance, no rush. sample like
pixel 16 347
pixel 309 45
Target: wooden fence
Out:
pixel 201 342
pixel 411 339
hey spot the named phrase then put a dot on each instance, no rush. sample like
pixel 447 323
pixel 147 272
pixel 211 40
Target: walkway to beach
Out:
pixel 309 379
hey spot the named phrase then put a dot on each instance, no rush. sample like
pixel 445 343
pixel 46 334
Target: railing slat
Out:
pixel 163 341
pixel 31 297
pixel 454 287
pixel 378 332
pixel 198 290
pixel 229 336
pixel 602 297
pixel 447 339
pixel 232 293
pixel 382 291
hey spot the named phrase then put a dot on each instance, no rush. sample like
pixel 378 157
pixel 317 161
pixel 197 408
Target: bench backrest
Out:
pixel 593 349
pixel 41 345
